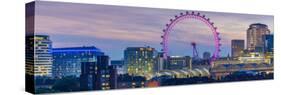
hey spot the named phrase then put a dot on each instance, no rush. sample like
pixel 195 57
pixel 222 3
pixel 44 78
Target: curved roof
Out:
pixel 191 73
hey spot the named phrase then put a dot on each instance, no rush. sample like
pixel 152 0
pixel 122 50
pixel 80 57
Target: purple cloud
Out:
pixel 83 24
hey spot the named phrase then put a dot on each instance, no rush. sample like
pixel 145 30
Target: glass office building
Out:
pixel 268 42
pixel 67 61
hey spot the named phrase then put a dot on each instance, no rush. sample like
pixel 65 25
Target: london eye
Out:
pixel 187 16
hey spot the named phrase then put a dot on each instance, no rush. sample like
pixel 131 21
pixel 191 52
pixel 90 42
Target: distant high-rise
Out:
pixel 139 60
pixel 159 62
pixel 206 55
pixel 254 36
pixel 237 47
pixel 99 75
pixel 39 57
pixel 120 67
pixel 67 61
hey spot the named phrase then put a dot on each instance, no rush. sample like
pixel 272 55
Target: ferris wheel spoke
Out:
pixel 196 16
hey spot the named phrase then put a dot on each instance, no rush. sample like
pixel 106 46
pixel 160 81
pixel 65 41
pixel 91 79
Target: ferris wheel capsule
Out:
pixel 181 14
pixel 203 16
pixel 171 20
pixel 192 12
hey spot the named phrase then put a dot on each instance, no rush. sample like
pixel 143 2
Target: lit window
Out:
pixel 107 76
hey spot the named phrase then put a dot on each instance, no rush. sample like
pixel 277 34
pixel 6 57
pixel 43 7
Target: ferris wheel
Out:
pixel 187 16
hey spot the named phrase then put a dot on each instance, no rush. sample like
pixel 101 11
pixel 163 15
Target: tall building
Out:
pixel 67 61
pixel 39 55
pixel 268 48
pixel 237 48
pixel 139 60
pixel 254 36
pixel 268 42
pixel 178 62
pixel 98 75
pixel 206 55
pixel 159 62
pixel 120 67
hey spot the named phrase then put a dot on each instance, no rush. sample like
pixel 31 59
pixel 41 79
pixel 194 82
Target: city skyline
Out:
pixel 112 31
pixel 82 47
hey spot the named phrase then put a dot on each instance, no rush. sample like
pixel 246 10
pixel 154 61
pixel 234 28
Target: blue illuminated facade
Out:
pixel 67 61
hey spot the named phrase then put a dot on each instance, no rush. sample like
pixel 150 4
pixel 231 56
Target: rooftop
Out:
pixel 84 48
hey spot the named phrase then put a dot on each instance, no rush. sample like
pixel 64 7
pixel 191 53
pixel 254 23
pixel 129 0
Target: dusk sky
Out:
pixel 113 28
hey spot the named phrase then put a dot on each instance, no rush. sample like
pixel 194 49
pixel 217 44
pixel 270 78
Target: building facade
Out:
pixel 139 60
pixel 159 62
pixel 206 55
pixel 120 67
pixel 237 48
pixel 268 47
pixel 253 57
pixel 254 36
pixel 127 81
pixel 67 61
pixel 39 58
pixel 98 75
pixel 268 42
pixel 178 62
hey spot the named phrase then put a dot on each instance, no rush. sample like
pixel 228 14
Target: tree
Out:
pixel 67 84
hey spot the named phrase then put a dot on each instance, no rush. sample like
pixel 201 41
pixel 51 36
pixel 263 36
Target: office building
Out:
pixel 159 62
pixel 39 55
pixel 120 67
pixel 268 42
pixel 237 47
pixel 139 60
pixel 67 61
pixel 98 75
pixel 254 36
pixel 206 55
pixel 268 47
